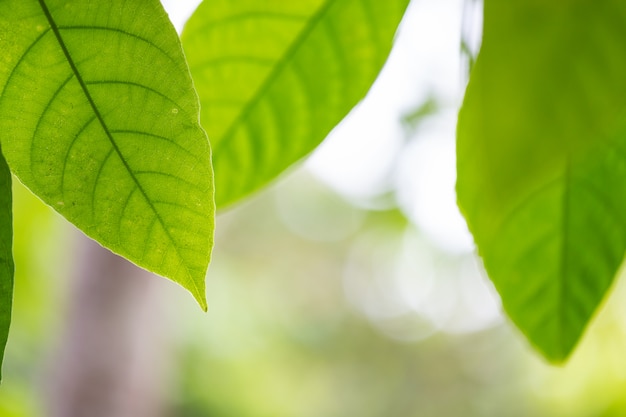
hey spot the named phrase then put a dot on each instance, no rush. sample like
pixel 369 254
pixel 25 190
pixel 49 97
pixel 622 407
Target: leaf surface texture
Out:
pixel 274 77
pixel 100 120
pixel 542 161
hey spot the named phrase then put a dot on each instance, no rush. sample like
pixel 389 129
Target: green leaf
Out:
pixel 274 77
pixel 542 161
pixel 6 256
pixel 100 120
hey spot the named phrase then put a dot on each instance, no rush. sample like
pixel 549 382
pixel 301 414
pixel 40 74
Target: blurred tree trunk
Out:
pixel 111 362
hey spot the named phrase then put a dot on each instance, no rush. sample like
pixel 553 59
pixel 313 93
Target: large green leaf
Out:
pixel 100 120
pixel 542 161
pixel 274 77
pixel 6 256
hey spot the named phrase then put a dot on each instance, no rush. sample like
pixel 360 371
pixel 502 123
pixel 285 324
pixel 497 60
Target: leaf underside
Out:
pixel 542 161
pixel 6 256
pixel 100 120
pixel 274 77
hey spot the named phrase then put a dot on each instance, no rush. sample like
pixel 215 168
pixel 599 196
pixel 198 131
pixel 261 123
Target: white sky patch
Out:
pixel 180 11
pixel 426 185
pixel 358 156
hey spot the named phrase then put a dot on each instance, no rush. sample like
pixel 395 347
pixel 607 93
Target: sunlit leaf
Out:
pixel 6 256
pixel 542 161
pixel 99 119
pixel 274 77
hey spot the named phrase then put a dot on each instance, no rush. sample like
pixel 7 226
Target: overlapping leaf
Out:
pixel 542 161
pixel 6 256
pixel 274 77
pixel 99 119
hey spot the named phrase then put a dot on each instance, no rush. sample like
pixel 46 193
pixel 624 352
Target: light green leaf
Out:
pixel 99 119
pixel 274 77
pixel 542 161
pixel 6 256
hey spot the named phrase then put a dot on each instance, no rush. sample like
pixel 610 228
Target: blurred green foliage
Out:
pixel 43 256
pixel 288 342
pixel 283 337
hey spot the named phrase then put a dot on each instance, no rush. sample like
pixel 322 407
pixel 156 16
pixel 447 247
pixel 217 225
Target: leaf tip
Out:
pixel 555 351
pixel 562 356
pixel 199 294
pixel 555 359
pixel 203 304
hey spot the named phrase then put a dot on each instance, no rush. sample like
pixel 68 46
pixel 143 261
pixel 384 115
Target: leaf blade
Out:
pixel 290 73
pixel 6 256
pixel 540 170
pixel 100 107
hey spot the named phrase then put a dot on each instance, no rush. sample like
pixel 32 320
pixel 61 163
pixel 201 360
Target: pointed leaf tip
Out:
pixel 541 150
pixel 200 296
pixel 99 118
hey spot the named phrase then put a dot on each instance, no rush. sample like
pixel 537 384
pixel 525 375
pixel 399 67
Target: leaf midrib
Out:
pixel 564 256
pixel 273 75
pixel 79 78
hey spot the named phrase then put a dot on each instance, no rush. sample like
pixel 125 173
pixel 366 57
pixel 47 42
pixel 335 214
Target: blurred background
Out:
pixel 350 287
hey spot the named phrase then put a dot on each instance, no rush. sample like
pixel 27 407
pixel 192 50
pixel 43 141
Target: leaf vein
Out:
pixel 104 126
pixel 96 181
pixel 168 175
pixel 69 149
pixel 164 138
pixel 22 58
pixel 138 85
pixel 211 25
pixel 230 60
pixel 119 31
pixel 43 113
pixel 277 70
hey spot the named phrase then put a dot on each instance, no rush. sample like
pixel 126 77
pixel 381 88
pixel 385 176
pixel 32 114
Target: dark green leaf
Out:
pixel 6 256
pixel 542 161
pixel 274 77
pixel 99 119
